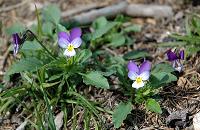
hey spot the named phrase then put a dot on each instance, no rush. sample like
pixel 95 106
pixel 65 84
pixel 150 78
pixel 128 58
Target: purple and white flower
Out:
pixel 70 41
pixel 17 41
pixel 175 59
pixel 139 74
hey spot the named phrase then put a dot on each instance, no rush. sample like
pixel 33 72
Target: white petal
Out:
pixel 76 42
pixel 69 53
pixel 132 75
pixel 137 85
pixel 145 75
pixel 63 43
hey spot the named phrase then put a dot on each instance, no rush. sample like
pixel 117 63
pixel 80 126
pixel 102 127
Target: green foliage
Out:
pixel 161 75
pixel 15 28
pixel 26 64
pixel 153 106
pixel 51 13
pixel 114 33
pixel 120 113
pixel 31 46
pixel 96 79
pixel 136 54
pixel 191 39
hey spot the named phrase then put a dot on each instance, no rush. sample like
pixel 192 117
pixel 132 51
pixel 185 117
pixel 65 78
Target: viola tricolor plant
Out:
pixel 70 41
pixel 139 74
pixel 17 41
pixel 175 59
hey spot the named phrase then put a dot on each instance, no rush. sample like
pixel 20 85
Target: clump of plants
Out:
pixel 53 62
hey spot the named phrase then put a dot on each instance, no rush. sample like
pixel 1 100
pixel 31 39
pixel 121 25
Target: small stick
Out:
pixel 14 6
pixel 109 11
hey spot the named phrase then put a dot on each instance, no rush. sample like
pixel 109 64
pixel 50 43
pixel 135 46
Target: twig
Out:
pixel 14 6
pixel 88 17
pixel 77 10
pixel 138 10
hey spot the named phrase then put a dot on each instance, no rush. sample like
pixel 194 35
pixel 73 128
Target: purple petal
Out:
pixel 16 38
pixel 16 49
pixel 145 75
pixel 132 75
pixel 63 39
pixel 63 35
pixel 146 66
pixel 74 33
pixel 171 55
pixel 132 67
pixel 76 42
pixel 181 54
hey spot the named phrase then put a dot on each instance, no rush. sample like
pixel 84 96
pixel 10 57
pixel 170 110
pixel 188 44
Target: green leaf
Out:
pixel 120 113
pixel 26 64
pixel 117 40
pixel 162 67
pixel 60 28
pixel 31 45
pixel 96 79
pixel 84 55
pixel 133 28
pixel 47 28
pixel 153 106
pixel 51 13
pixel 99 23
pixel 136 54
pixel 103 30
pixel 160 78
pixel 15 28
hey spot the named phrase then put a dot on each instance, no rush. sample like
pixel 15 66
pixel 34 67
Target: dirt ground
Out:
pixel 181 99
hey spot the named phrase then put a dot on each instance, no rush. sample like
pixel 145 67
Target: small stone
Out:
pixel 196 121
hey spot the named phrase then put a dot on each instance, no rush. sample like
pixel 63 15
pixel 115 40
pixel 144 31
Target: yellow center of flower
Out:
pixel 139 80
pixel 70 47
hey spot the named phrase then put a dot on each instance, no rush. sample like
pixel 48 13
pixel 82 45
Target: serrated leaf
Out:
pixel 133 28
pixel 31 45
pixel 51 13
pixel 160 78
pixel 47 28
pixel 162 67
pixel 15 28
pixel 99 23
pixel 96 79
pixel 117 40
pixel 26 64
pixel 120 113
pixel 103 30
pixel 136 54
pixel 153 106
pixel 84 55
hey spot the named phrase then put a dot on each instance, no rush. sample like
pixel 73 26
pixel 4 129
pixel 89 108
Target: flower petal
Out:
pixel 69 53
pixel 63 39
pixel 16 38
pixel 171 55
pixel 137 85
pixel 76 42
pixel 181 54
pixel 132 67
pixel 63 43
pixel 63 35
pixel 16 49
pixel 145 75
pixel 74 33
pixel 146 66
pixel 132 75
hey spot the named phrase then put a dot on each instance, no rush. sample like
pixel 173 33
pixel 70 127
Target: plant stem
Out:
pixel 41 44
